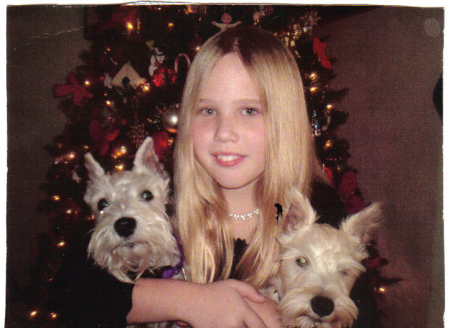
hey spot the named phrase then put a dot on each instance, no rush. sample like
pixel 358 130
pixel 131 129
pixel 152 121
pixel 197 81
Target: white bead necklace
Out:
pixel 245 216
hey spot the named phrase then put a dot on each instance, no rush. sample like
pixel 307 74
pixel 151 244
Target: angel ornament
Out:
pixel 226 22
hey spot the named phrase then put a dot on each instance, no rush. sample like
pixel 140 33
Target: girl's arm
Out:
pixel 218 304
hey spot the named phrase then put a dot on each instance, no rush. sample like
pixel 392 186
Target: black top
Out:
pixel 86 296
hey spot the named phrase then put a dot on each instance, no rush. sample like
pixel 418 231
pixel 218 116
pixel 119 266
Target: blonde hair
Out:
pixel 201 218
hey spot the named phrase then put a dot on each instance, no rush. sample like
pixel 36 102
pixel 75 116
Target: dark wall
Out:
pixel 43 45
pixel 391 60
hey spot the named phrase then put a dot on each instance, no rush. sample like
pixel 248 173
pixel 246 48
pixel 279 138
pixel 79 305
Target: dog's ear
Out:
pixel 362 224
pixel 146 157
pixel 94 169
pixel 300 213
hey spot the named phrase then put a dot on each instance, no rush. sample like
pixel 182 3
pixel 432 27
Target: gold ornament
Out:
pixel 170 118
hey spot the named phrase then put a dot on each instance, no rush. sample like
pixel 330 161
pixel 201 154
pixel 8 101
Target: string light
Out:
pixel 313 89
pixel 329 106
pixel 130 26
pixel 56 198
pixel 119 167
pixel 53 315
pixel 87 83
pixel 71 155
pixel 120 151
pixel 62 243
pixel 33 313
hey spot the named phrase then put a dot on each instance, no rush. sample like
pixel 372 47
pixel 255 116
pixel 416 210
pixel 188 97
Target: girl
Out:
pixel 244 139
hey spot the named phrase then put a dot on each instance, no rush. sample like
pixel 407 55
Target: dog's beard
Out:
pixel 297 311
pixel 122 256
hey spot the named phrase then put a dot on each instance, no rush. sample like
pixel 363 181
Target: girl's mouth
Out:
pixel 228 160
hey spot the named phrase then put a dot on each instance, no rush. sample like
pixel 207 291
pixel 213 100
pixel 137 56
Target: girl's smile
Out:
pixel 228 160
pixel 228 127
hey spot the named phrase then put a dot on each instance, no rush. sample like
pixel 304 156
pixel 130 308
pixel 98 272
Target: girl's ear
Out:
pixel 93 167
pixel 146 157
pixel 300 213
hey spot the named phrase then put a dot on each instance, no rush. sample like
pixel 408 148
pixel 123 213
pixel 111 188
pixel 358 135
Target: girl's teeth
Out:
pixel 227 158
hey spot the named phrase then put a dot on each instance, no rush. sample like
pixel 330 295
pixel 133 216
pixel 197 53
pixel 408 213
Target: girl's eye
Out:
pixel 207 111
pixel 249 111
pixel 102 204
pixel 147 195
pixel 302 262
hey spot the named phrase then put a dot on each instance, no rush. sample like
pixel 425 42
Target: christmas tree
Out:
pixel 130 86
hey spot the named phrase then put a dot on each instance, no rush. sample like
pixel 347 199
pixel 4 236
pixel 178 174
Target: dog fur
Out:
pixel 319 265
pixel 132 231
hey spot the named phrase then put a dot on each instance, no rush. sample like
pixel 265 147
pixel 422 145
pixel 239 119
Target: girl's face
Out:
pixel 228 126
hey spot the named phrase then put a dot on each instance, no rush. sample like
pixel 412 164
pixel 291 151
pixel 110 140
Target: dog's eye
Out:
pixel 302 262
pixel 344 272
pixel 147 195
pixel 102 204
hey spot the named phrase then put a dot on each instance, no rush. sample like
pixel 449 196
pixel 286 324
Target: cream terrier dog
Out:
pixel 319 265
pixel 132 232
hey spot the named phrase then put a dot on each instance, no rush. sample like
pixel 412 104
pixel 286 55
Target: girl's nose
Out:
pixel 226 129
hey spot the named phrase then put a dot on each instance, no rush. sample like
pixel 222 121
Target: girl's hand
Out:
pixel 226 304
pixel 267 311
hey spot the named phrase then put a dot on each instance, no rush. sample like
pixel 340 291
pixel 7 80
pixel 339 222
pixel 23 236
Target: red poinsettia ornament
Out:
pixel 319 49
pixel 101 138
pixel 348 189
pixel 72 87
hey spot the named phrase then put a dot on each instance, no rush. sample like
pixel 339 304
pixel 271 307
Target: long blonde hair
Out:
pixel 201 218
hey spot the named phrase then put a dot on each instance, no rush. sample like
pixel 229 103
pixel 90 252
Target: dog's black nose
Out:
pixel 125 226
pixel 322 306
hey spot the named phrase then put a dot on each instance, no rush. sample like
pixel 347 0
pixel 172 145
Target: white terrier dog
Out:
pixel 132 232
pixel 319 265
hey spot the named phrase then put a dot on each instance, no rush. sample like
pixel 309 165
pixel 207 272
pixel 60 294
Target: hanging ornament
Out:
pixel 226 22
pixel 316 125
pixel 170 118
pixel 185 57
pixel 127 76
pixel 310 20
pixel 157 58
pixel 137 133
